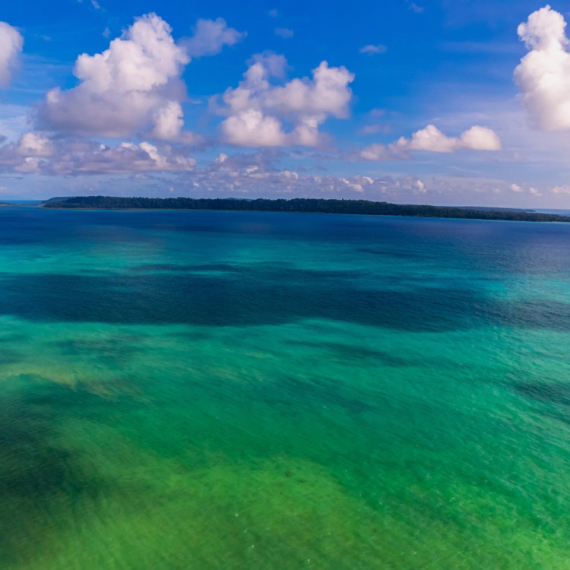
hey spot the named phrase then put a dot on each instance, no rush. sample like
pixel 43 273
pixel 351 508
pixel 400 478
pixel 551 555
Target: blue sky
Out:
pixel 442 102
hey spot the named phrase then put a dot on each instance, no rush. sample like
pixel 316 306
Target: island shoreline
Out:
pixel 300 206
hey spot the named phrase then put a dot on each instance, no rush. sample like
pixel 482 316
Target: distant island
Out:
pixel 301 205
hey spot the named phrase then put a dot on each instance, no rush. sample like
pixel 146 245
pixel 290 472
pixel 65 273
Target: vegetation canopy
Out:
pixel 302 205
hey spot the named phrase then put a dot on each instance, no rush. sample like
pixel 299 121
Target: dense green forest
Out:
pixel 306 205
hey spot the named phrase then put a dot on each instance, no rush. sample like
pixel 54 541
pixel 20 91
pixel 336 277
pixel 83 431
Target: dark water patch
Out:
pixel 534 314
pixel 354 352
pixel 115 234
pixel 194 336
pixel 180 267
pixel 8 356
pixel 116 350
pixel 37 474
pixel 267 295
pixel 14 338
pixel 310 392
pixel 150 267
pixel 265 270
pixel 556 393
pixel 254 298
pixel 286 272
pixel 404 254
pixel 358 354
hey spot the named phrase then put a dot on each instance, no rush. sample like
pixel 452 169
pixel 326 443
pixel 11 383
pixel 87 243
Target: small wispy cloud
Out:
pixel 373 49
pixel 284 32
pixel 273 13
pixel 415 8
pixel 373 129
pixel 210 36
pixel 93 3
pixel 377 112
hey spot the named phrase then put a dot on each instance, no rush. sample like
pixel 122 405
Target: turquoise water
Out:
pixel 185 390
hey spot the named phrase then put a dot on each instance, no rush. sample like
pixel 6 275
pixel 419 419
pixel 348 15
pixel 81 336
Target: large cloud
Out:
pixel 433 140
pixel 11 43
pixel 258 175
pixel 90 158
pixel 256 108
pixel 168 169
pixel 134 86
pixel 36 153
pixel 543 75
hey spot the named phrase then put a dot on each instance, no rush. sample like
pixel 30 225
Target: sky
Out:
pixel 446 102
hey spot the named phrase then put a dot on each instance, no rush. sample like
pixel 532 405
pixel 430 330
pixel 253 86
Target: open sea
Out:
pixel 268 391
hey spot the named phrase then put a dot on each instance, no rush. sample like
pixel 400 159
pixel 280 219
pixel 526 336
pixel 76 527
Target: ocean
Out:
pixel 218 390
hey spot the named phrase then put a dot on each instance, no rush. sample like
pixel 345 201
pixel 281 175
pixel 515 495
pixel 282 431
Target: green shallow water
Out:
pixel 261 391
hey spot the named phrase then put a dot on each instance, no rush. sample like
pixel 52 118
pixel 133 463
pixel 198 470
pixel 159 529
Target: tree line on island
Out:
pixel 301 205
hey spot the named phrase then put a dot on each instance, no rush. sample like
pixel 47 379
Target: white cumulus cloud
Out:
pixel 122 89
pixel 433 140
pixel 543 75
pixel 11 44
pixel 256 108
pixel 134 86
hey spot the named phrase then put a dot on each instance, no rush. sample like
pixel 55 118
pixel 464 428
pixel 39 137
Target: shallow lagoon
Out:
pixel 244 390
